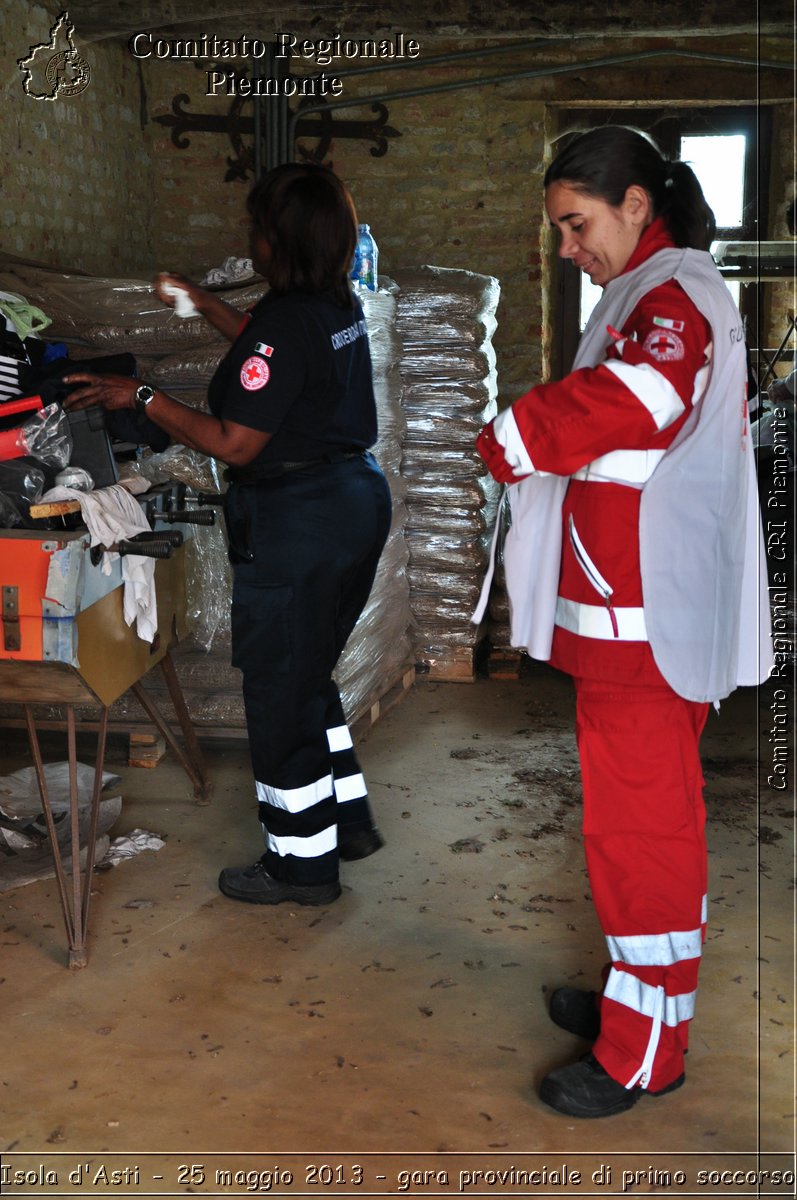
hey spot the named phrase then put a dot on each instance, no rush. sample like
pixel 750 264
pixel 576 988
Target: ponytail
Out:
pixel 691 222
pixel 605 162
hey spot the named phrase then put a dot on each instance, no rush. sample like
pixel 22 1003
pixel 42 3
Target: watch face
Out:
pixel 144 394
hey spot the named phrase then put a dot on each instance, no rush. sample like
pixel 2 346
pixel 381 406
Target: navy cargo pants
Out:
pixel 305 548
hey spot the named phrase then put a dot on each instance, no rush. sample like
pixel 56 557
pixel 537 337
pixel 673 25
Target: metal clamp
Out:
pixel 11 633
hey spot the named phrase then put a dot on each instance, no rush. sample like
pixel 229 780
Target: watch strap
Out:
pixel 144 395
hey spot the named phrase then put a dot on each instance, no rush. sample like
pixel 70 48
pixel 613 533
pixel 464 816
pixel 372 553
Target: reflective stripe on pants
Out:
pixel 644 838
pixel 308 546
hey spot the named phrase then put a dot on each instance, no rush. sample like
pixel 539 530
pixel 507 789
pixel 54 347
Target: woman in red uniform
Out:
pixel 645 590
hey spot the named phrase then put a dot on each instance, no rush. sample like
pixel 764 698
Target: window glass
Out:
pixel 735 289
pixel 718 161
pixel 590 295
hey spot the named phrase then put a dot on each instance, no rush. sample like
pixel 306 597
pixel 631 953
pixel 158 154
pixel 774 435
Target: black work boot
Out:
pixel 256 886
pixel 576 1010
pixel 585 1089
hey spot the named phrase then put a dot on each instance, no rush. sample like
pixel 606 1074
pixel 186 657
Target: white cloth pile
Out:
pixel 111 515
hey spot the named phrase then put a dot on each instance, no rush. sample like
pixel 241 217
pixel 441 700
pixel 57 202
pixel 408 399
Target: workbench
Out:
pixel 64 641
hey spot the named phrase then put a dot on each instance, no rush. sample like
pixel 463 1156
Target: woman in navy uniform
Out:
pixel 308 511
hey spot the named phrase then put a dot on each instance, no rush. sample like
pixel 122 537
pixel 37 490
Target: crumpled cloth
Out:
pixel 232 270
pixel 130 845
pixel 112 514
pixel 26 318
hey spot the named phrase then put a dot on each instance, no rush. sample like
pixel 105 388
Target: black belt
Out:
pixel 255 472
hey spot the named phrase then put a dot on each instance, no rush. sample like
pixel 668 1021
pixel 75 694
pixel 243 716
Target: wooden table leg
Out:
pixel 204 791
pixel 191 757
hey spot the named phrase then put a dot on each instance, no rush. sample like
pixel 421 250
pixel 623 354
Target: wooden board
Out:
pixel 58 508
pixel 389 699
pixel 43 682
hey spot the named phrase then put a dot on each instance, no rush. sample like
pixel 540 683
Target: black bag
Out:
pixel 123 425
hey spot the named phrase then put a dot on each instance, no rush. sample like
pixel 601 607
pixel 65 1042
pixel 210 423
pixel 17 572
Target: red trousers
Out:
pixel 644 838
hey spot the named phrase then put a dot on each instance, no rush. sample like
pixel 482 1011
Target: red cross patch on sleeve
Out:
pixel 664 345
pixel 255 373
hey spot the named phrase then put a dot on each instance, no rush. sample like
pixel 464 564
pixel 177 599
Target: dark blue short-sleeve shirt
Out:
pixel 300 369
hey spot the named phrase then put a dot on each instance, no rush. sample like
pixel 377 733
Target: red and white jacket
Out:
pixel 603 432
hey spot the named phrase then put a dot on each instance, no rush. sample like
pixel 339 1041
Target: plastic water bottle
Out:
pixel 364 271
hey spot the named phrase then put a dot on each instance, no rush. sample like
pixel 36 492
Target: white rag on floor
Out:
pixel 111 515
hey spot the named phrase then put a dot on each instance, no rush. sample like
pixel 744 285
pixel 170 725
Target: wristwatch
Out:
pixel 144 396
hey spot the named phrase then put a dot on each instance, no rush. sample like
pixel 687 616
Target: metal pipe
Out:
pixel 534 73
pixel 280 148
pixel 257 158
pixel 455 56
pixel 273 119
pixel 91 846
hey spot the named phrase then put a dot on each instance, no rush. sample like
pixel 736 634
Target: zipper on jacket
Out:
pixel 592 573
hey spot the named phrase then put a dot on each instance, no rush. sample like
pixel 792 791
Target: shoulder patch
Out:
pixel 669 323
pixel 664 345
pixel 255 373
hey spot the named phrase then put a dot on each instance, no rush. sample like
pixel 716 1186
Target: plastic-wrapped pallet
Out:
pixel 111 315
pixel 380 650
pixel 103 316
pixel 446 320
pixel 379 654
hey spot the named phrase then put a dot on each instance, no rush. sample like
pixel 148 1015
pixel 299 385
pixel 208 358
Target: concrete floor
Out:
pixel 406 1024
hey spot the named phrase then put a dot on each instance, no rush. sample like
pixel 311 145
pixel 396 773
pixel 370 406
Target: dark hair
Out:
pixel 605 162
pixel 308 220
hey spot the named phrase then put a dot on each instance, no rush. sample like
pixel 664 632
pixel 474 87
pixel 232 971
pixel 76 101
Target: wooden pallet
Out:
pixel 504 663
pixel 362 725
pixel 448 664
pixel 145 749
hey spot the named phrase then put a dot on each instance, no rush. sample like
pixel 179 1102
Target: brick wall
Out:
pixel 75 170
pixel 461 186
pixel 95 182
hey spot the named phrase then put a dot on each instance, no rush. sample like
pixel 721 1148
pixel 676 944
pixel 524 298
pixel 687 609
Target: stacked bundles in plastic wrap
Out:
pixel 446 319
pixel 381 648
pixel 104 316
pixel 379 652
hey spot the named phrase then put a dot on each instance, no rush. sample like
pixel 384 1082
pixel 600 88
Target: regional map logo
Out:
pixel 55 68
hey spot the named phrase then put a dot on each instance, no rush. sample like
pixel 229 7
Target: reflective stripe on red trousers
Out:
pixel 644 838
